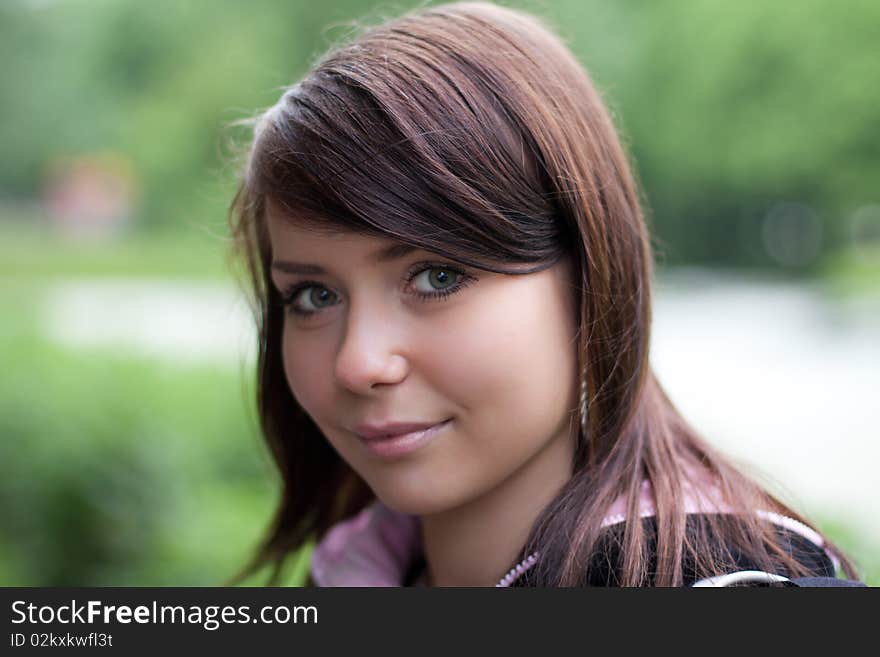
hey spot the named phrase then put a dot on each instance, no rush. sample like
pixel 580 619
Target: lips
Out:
pixel 380 431
pixel 393 441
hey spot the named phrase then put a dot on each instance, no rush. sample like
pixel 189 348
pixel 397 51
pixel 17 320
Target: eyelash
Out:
pixel 290 294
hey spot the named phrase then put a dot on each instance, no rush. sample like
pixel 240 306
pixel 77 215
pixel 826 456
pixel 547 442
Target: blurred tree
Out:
pixel 732 109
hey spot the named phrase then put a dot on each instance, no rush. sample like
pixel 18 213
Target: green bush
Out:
pixel 119 471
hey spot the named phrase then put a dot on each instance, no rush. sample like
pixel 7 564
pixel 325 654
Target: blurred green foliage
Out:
pixel 30 252
pixel 119 470
pixel 728 108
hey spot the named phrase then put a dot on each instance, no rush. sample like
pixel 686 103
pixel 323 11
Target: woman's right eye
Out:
pixel 308 298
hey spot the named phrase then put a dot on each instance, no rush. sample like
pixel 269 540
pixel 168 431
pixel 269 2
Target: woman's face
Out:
pixel 419 338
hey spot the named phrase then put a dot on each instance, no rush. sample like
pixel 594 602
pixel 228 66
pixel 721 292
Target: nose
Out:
pixel 368 356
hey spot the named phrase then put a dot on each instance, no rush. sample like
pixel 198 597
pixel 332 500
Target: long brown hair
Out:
pixel 470 130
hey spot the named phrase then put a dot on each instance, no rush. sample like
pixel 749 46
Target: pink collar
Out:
pixel 374 548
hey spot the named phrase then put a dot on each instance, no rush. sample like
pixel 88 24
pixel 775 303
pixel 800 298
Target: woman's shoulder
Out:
pixel 711 523
pixel 799 541
pixel 606 566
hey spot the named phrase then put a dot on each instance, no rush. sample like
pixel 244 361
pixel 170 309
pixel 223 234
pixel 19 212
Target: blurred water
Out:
pixel 777 375
pixel 184 322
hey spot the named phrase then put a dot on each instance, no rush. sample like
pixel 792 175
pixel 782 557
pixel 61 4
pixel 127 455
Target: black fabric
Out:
pixel 415 569
pixel 607 565
pixel 826 582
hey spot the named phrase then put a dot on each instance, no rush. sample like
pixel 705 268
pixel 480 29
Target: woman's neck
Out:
pixel 477 543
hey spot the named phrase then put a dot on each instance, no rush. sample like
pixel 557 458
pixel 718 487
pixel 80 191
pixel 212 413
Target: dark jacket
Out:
pixel 608 564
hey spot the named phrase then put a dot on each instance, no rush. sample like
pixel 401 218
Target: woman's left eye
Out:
pixel 439 281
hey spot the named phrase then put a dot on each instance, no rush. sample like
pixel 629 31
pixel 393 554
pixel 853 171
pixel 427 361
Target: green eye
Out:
pixel 438 281
pixel 308 298
pixel 438 278
pixel 320 299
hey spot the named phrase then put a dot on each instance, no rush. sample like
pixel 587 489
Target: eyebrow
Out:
pixel 385 254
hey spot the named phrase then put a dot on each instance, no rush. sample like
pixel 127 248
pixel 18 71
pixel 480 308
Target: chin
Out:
pixel 418 502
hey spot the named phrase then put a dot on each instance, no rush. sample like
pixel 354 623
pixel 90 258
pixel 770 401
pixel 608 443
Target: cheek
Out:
pixel 515 356
pixel 307 367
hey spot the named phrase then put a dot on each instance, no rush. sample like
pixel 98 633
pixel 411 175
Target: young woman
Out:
pixel 452 277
